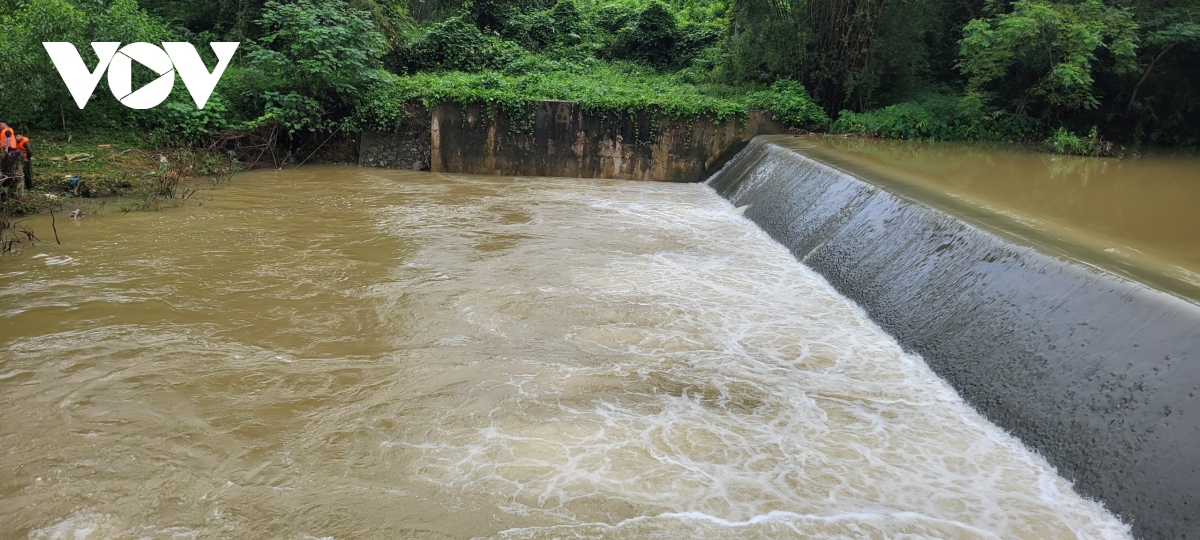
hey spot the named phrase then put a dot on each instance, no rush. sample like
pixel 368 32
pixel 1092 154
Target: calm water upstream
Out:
pixel 1136 217
pixel 345 353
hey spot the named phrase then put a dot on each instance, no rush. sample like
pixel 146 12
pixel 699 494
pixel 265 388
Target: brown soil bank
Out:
pixel 1098 373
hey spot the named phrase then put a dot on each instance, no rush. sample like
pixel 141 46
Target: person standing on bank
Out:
pixel 10 144
pixel 22 144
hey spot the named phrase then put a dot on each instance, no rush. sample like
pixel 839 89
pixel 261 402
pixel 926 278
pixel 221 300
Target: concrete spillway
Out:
pixel 1098 373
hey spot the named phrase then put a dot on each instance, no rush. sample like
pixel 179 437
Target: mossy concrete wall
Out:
pixel 559 139
pixel 1099 374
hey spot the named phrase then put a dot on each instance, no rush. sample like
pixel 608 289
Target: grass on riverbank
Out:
pixel 105 165
pixel 75 166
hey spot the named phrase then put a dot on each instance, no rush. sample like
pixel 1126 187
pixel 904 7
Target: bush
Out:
pixel 492 16
pixel 534 30
pixel 1066 142
pixel 790 103
pixel 650 38
pixel 180 123
pixel 940 117
pixel 905 120
pixel 560 26
pixel 599 87
pixel 457 45
pixel 693 39
pixel 612 17
pixel 315 61
pixel 567 22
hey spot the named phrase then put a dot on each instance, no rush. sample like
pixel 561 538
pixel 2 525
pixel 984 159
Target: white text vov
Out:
pixel 165 61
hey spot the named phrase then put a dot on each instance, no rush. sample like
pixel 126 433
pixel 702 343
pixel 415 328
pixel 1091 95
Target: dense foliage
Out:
pixel 314 61
pixel 35 93
pixel 602 88
pixel 982 69
pixel 1076 74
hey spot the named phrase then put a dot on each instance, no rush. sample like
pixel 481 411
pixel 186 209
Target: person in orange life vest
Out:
pixel 7 137
pixel 22 144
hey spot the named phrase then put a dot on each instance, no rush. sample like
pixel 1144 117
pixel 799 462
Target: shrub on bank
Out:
pixel 599 88
pixel 457 45
pixel 1066 142
pixel 940 117
pixel 790 103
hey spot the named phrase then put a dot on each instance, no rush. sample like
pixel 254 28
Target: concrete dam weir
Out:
pixel 1098 373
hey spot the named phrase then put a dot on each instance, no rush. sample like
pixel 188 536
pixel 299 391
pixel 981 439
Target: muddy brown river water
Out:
pixel 349 353
pixel 1135 217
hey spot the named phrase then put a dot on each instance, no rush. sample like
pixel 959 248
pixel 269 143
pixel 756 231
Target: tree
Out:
pixel 29 75
pixel 1042 57
pixel 315 60
pixel 1169 28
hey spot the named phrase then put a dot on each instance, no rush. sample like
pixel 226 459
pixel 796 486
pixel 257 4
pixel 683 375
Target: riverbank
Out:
pixel 80 170
pixel 87 170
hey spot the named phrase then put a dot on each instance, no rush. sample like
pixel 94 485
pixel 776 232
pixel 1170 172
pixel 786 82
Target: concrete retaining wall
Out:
pixel 561 140
pixel 1099 374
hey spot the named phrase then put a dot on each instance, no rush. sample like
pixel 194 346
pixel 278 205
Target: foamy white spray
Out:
pixel 703 381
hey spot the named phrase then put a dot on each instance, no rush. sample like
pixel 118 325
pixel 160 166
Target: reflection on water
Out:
pixel 344 353
pixel 1134 216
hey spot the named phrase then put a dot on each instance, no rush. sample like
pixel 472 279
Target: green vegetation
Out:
pixel 312 63
pixel 69 168
pixel 1044 56
pixel 982 69
pixel 1065 142
pixel 599 87
pixel 36 96
pixel 1126 71
pixel 940 117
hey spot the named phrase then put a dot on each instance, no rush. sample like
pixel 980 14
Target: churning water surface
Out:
pixel 345 353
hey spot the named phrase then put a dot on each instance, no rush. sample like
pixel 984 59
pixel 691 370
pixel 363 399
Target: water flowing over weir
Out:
pixel 1096 372
pixel 410 355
